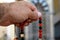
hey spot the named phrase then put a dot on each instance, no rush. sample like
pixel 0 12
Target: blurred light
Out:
pixel 40 1
pixel 22 35
pixel 35 1
pixel 6 1
pixel 43 4
pixel 46 8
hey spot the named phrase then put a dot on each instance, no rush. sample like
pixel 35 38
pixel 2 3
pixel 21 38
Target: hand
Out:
pixel 18 12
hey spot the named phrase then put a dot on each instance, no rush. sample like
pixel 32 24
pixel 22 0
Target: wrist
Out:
pixel 3 11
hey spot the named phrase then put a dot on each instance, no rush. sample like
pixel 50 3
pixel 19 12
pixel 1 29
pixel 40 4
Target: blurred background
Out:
pixel 46 28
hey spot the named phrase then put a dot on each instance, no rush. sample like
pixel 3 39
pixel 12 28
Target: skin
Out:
pixel 17 13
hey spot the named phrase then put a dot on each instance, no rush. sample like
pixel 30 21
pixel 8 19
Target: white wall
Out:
pixel 56 18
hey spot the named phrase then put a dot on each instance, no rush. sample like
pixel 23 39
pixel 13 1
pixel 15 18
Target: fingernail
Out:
pixel 39 14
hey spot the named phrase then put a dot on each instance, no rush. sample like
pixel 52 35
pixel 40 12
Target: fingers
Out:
pixel 34 11
pixel 26 23
pixel 33 15
pixel 31 6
